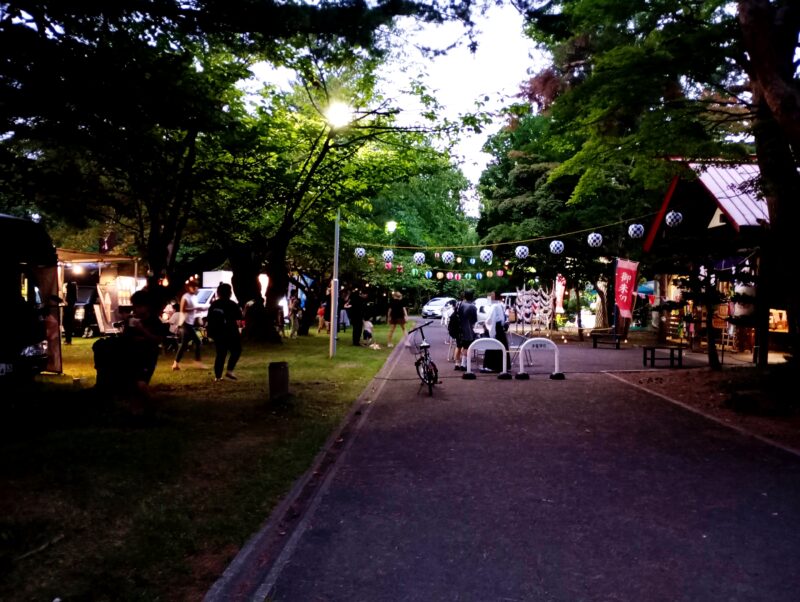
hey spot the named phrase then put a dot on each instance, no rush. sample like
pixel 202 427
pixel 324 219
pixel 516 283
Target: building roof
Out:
pixel 734 187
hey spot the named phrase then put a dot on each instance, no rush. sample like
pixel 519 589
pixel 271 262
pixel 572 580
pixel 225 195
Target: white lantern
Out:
pixel 556 247
pixel 361 252
pixel 595 239
pixel 448 257
pixel 674 218
pixel 486 256
pixel 388 256
pixel 636 230
pixel 419 258
pixel 521 252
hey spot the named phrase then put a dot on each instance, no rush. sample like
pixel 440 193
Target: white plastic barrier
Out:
pixel 483 345
pixel 538 343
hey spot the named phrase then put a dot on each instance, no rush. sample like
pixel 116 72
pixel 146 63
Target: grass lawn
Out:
pixel 95 506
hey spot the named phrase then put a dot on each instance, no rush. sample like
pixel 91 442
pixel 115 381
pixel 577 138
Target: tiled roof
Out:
pixel 734 187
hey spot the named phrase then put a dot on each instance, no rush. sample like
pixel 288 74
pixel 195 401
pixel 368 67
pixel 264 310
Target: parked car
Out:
pixel 433 308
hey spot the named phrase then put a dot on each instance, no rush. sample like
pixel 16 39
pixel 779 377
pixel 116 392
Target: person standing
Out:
pixel 468 317
pixel 188 309
pixel 356 308
pixel 294 314
pixel 224 316
pixel 495 326
pixel 396 316
pixel 71 299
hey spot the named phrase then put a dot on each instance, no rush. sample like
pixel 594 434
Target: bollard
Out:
pixel 278 380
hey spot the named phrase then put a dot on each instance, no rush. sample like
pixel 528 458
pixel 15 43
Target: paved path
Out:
pixel 538 490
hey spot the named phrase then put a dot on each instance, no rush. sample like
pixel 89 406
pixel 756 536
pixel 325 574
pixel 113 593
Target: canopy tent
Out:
pixel 70 256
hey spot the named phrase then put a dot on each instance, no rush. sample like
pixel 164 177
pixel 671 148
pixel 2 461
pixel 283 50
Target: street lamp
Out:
pixel 391 226
pixel 339 115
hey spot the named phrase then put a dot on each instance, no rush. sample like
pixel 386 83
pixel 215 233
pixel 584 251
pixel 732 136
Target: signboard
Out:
pixel 625 289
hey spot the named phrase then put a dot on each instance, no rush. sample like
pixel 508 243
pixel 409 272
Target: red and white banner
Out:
pixel 625 289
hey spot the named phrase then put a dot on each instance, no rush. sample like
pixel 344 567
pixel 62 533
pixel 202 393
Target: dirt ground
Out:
pixel 759 403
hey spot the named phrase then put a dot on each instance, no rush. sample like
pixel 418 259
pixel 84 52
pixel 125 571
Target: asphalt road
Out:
pixel 538 490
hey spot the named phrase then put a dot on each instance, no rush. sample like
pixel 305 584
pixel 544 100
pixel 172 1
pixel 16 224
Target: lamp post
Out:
pixel 338 116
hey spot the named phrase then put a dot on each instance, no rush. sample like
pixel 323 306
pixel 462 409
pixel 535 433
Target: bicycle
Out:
pixel 419 346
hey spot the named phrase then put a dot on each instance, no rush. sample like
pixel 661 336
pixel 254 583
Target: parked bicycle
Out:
pixel 419 346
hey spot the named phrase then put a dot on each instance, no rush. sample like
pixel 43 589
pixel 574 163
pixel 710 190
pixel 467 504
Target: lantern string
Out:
pixel 510 242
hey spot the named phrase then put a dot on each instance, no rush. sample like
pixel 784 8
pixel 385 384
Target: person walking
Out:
pixel 467 317
pixel 224 316
pixel 396 316
pixel 295 313
pixel 188 309
pixel 71 299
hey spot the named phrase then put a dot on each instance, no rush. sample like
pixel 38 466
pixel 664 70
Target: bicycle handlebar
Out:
pixel 421 326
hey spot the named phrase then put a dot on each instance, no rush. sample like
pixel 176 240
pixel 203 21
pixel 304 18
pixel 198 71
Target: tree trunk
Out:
pixel 601 315
pixel 578 320
pixel 711 338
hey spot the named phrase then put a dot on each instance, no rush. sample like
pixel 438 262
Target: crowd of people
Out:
pixel 134 354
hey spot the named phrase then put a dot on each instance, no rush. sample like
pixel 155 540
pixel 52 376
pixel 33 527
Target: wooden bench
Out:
pixel 605 338
pixel 675 355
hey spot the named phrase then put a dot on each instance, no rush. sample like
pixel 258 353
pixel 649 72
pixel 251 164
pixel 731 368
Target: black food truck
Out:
pixel 29 304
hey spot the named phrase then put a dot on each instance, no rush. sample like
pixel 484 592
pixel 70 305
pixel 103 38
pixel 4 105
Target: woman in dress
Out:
pixel 397 315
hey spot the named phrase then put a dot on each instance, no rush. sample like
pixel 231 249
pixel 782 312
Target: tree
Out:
pixel 642 81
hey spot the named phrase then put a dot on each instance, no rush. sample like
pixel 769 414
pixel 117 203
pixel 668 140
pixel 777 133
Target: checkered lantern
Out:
pixel 556 247
pixel 674 218
pixel 486 256
pixel 636 230
pixel 448 257
pixel 595 239
pixel 419 258
pixel 361 252
pixel 521 252
pixel 388 255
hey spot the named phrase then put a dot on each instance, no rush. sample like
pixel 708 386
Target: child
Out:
pixel 367 332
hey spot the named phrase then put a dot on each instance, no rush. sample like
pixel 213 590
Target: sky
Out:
pixel 494 73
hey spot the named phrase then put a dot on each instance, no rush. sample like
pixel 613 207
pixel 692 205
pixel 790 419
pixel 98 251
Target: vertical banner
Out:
pixel 561 286
pixel 624 291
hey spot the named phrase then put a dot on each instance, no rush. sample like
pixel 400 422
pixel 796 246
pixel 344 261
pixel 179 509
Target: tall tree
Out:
pixel 644 80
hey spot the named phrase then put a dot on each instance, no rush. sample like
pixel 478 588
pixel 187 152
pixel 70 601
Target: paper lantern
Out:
pixel 674 218
pixel 437 254
pixel 471 261
pixel 521 252
pixel 449 275
pixel 400 269
pixel 458 260
pixel 489 273
pixel 361 252
pixel 636 230
pixel 414 272
pixel 388 255
pixel 419 258
pixel 499 273
pixel 388 265
pixel 486 256
pixel 478 276
pixel 595 239
pixel 448 257
pixel 439 275
pixel 556 247
pixel 467 276
pixel 428 274
pixel 458 276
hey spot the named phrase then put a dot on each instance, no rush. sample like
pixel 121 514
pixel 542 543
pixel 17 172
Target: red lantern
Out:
pixel 388 265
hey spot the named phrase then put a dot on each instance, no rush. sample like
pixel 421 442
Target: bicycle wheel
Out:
pixel 432 376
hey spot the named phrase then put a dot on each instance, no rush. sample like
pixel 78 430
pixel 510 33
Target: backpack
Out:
pixel 454 324
pixel 216 322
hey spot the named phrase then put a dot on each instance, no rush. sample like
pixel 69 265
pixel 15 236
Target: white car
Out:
pixel 433 308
